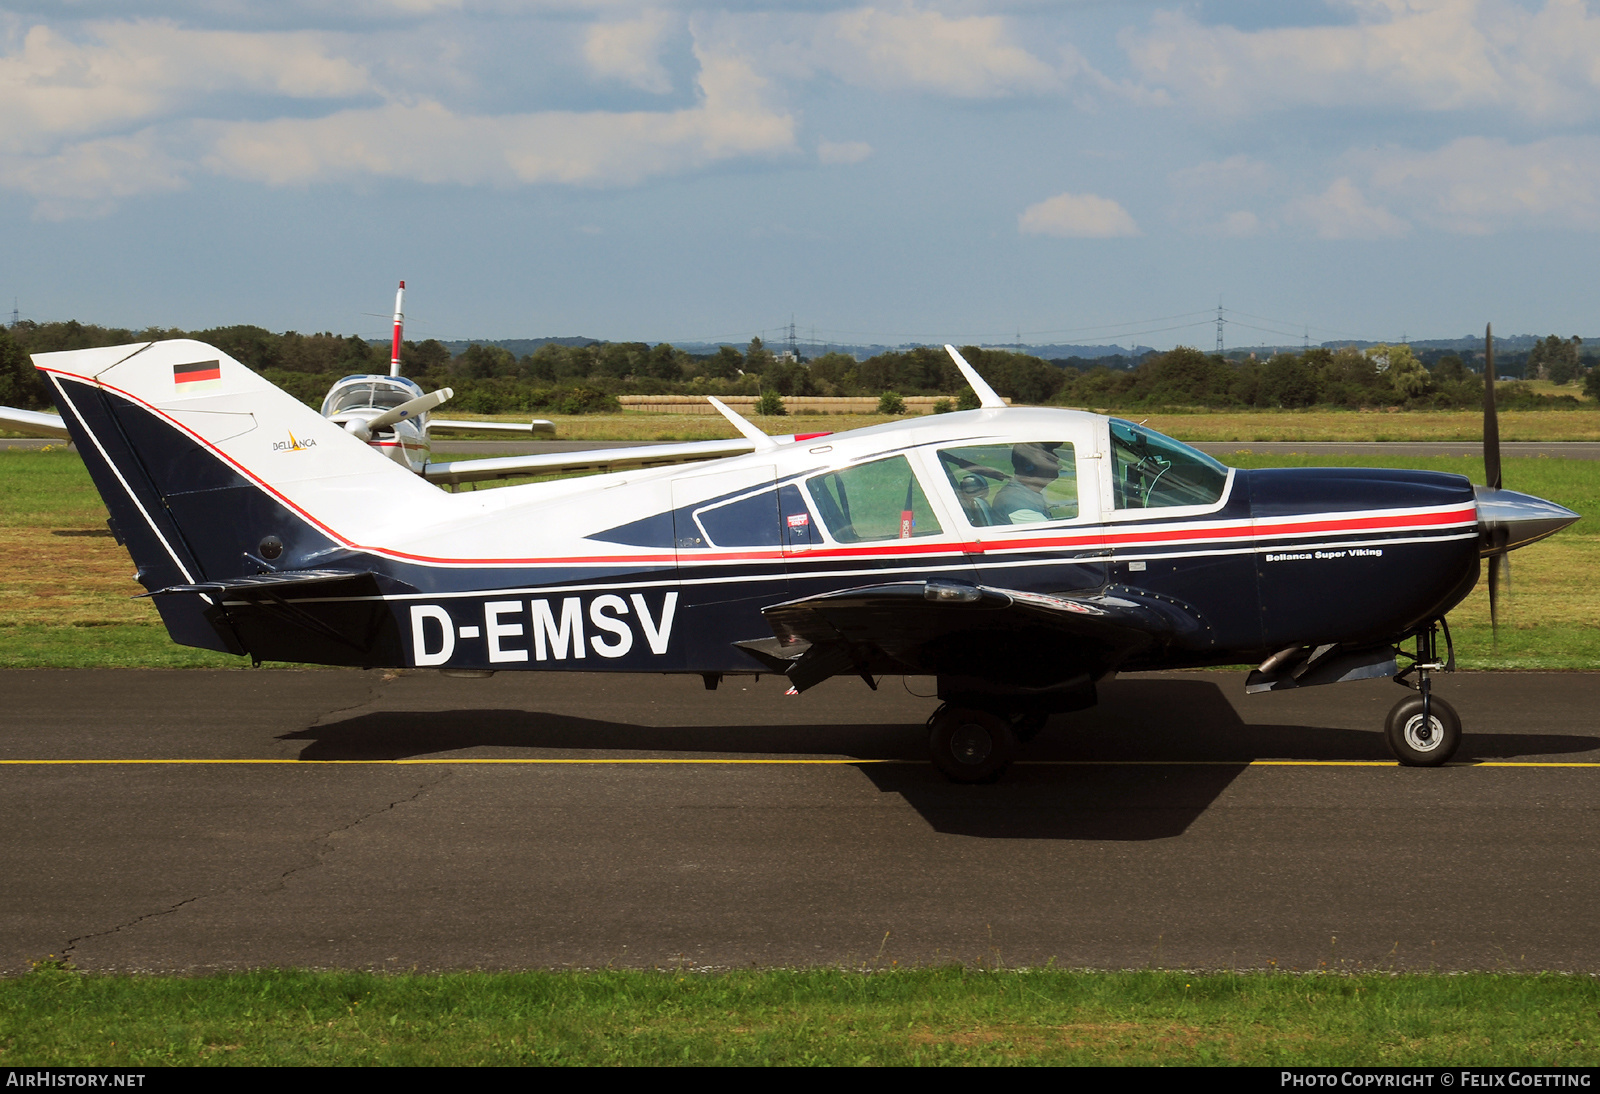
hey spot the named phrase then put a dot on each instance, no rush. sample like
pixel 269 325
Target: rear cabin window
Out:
pixel 1013 483
pixel 1153 471
pixel 874 501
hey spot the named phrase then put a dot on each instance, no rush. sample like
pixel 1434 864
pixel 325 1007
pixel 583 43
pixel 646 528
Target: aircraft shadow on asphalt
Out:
pixel 1142 765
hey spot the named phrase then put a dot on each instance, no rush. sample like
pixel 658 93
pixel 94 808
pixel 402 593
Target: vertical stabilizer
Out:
pixel 211 473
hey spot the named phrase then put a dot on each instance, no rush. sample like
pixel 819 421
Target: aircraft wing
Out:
pixel 595 459
pixel 537 425
pixel 35 423
pixel 1005 637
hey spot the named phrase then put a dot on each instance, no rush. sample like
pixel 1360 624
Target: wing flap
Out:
pixel 1013 639
pixel 524 429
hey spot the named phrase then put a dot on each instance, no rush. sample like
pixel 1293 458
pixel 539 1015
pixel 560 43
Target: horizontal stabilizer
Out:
pixel 289 584
pixel 334 617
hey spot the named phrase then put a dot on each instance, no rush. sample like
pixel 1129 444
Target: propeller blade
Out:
pixel 409 409
pixel 1491 420
pixel 1494 600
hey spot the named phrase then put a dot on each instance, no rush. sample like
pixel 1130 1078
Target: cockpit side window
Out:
pixel 874 501
pixel 1013 483
pixel 1153 471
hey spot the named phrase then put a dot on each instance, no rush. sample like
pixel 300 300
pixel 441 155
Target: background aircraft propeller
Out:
pixel 365 428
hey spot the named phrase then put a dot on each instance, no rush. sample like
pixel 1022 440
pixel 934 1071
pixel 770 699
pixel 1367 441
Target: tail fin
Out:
pixel 210 473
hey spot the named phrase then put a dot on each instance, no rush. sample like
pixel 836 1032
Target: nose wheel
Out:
pixel 1422 738
pixel 1422 729
pixel 969 745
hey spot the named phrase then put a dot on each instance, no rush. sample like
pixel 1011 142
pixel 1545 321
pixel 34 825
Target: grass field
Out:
pixel 67 591
pixel 886 1017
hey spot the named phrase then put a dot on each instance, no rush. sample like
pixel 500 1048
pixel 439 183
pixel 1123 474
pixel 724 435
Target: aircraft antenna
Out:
pixel 986 396
pixel 748 428
pixel 399 322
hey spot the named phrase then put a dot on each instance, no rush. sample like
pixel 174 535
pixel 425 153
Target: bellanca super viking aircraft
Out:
pixel 1018 555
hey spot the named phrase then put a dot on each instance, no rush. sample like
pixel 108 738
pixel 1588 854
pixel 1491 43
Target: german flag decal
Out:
pixel 200 376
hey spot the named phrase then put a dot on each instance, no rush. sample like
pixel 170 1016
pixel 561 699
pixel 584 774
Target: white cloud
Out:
pixel 1238 224
pixel 1077 216
pixel 88 178
pixel 1432 55
pixel 631 51
pixel 899 49
pixel 1342 212
pixel 843 151
pixel 135 71
pixel 1207 196
pixel 971 57
pixel 1477 185
pixel 428 142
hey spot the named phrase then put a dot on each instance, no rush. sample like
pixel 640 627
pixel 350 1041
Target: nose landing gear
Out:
pixel 1424 731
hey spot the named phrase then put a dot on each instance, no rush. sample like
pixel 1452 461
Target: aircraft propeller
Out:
pixel 1506 519
pixel 365 428
pixel 1494 538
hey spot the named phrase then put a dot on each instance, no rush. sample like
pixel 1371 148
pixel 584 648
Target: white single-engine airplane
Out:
pixel 1018 555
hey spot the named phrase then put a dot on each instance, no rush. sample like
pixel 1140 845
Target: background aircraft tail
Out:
pixel 211 474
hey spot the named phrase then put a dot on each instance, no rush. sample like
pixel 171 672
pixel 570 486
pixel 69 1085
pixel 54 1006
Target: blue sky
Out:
pixel 961 171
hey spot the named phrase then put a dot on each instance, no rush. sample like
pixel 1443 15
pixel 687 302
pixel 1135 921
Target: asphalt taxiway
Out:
pixel 193 821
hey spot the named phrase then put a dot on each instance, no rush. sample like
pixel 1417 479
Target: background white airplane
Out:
pixel 393 415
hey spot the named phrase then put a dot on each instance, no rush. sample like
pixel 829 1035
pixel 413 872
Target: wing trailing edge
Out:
pixel 1013 639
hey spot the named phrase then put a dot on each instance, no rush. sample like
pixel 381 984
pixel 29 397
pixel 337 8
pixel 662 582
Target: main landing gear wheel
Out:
pixel 970 746
pixel 1423 743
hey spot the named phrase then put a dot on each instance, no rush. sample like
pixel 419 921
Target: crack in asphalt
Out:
pixel 318 858
pixel 374 687
pixel 326 838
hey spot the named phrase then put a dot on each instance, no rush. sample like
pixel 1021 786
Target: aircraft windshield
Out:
pixel 1153 471
pixel 384 393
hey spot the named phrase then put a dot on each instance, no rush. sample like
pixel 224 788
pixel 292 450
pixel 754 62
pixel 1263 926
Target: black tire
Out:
pixel 1411 745
pixel 970 746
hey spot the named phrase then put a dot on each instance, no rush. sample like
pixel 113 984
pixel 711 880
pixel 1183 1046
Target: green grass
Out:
pixel 921 1016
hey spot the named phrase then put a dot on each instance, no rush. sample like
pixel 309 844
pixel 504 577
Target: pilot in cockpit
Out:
pixel 1022 500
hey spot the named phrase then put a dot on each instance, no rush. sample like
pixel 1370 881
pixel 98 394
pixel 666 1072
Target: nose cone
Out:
pixel 1508 520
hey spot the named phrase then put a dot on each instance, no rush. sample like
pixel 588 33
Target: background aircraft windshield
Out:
pixel 384 396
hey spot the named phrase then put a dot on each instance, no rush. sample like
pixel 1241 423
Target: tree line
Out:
pixel 559 378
